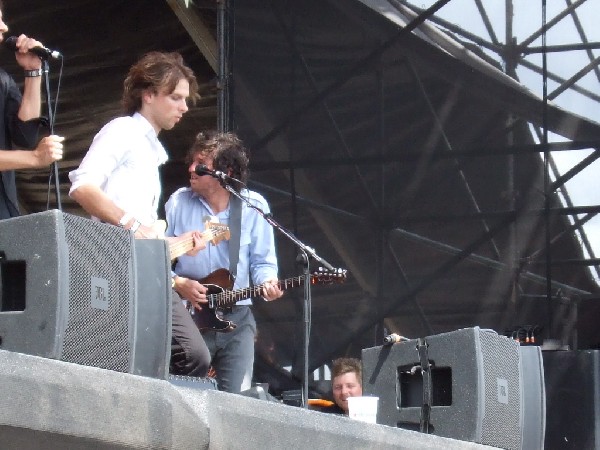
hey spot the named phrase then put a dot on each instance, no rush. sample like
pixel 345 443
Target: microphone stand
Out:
pixel 303 256
pixel 45 72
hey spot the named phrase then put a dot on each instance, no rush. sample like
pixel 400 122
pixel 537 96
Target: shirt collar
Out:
pixel 201 199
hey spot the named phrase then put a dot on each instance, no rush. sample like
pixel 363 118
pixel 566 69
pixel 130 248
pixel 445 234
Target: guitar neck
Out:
pixel 228 298
pixel 176 249
pixel 181 247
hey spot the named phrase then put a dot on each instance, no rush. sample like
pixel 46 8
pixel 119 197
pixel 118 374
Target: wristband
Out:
pixel 125 220
pixel 33 73
pixel 135 226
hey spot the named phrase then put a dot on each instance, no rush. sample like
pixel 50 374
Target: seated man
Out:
pixel 346 381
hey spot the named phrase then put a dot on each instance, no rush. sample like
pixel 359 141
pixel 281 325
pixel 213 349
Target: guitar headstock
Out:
pixel 326 276
pixel 216 232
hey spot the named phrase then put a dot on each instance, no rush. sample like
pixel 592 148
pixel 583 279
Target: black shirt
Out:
pixel 12 131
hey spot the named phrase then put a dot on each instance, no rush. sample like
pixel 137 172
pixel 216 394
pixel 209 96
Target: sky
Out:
pixel 527 19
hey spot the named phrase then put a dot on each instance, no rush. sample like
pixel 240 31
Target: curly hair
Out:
pixel 158 72
pixel 226 150
pixel 341 366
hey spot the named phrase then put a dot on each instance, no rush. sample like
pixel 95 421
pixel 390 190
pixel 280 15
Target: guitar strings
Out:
pixel 228 297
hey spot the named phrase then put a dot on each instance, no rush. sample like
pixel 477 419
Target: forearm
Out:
pixel 31 104
pixel 97 203
pixel 17 159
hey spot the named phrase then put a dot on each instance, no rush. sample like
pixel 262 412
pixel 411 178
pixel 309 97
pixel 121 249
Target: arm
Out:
pixel 49 149
pixel 31 103
pixel 99 165
pixel 97 203
pixel 187 288
pixel 263 260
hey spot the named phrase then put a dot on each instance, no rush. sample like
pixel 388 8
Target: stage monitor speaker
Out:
pixel 476 384
pixel 573 394
pixel 85 292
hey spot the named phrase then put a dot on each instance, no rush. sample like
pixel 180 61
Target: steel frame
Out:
pixel 512 54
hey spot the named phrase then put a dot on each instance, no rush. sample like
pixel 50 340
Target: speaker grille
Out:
pixel 502 414
pixel 94 336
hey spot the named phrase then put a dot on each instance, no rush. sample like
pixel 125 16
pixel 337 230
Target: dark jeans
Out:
pixel 189 354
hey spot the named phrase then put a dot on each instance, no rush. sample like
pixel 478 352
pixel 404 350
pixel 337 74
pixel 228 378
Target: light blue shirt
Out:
pixel 186 211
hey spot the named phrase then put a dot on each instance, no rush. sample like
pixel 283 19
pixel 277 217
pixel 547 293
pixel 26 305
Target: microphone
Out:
pixel 393 339
pixel 41 51
pixel 202 170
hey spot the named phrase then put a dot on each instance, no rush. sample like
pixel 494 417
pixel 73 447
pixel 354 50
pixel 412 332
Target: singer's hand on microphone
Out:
pixel 26 59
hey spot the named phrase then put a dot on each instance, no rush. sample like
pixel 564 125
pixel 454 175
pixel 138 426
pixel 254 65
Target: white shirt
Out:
pixel 123 161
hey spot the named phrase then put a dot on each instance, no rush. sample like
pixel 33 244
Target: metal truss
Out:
pixel 511 55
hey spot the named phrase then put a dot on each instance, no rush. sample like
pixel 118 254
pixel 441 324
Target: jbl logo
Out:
pixel 502 390
pixel 99 293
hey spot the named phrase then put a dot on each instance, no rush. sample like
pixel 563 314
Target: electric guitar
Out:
pixel 214 233
pixel 220 295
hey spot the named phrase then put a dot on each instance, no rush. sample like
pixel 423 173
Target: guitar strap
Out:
pixel 235 229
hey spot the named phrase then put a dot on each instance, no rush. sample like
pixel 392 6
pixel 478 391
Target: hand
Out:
pixel 49 149
pixel 145 232
pixel 192 291
pixel 199 242
pixel 270 290
pixel 27 60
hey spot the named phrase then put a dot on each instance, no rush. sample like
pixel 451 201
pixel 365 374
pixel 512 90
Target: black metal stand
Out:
pixel 54 167
pixel 304 253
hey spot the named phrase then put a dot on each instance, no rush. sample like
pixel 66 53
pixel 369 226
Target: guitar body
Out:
pixel 211 319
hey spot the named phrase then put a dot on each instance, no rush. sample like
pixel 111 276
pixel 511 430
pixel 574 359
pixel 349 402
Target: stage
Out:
pixel 53 404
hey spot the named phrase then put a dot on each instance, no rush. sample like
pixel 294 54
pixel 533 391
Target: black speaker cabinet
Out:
pixel 84 292
pixel 477 382
pixel 573 395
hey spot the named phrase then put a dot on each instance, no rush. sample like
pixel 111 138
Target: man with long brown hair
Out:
pixel 118 180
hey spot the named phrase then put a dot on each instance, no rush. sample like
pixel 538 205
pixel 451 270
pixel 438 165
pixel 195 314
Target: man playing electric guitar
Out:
pixel 251 251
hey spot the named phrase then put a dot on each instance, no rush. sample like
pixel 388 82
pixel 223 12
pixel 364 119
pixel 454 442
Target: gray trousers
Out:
pixel 189 355
pixel 233 352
